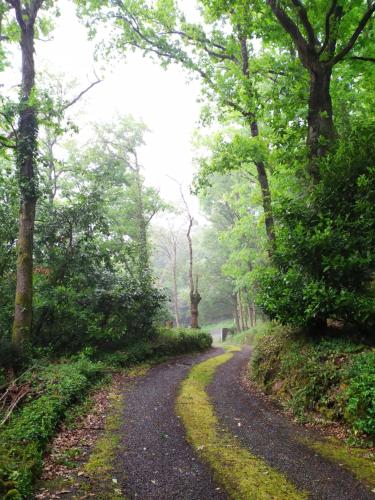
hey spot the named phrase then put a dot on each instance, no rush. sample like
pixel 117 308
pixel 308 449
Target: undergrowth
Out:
pixel 330 378
pixel 248 337
pixel 56 387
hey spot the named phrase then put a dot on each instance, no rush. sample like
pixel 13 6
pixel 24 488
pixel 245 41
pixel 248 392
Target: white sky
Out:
pixel 164 99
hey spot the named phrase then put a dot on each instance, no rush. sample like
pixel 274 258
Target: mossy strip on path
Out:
pixel 360 462
pixel 241 474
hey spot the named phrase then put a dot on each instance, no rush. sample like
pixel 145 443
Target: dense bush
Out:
pixel 167 342
pixel 333 376
pixel 24 438
pixel 324 263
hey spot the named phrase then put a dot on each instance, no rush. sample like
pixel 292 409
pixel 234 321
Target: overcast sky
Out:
pixel 164 99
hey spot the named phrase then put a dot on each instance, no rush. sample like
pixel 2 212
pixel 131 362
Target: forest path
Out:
pixel 270 435
pixel 155 461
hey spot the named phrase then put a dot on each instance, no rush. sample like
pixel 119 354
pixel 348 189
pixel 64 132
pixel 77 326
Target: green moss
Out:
pixel 100 464
pixel 360 462
pixel 242 474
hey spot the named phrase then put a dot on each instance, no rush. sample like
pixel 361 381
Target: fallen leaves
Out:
pixel 63 471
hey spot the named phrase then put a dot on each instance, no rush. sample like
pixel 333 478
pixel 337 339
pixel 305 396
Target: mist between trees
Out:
pixel 285 177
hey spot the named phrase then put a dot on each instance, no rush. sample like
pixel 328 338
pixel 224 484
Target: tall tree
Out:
pixel 115 152
pixel 319 49
pixel 218 50
pixel 26 153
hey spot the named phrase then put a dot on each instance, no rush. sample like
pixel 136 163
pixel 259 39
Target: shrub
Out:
pixel 332 376
pixel 359 397
pixel 324 263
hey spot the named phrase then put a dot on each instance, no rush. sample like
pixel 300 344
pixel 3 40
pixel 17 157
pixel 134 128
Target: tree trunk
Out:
pixel 26 154
pixel 240 312
pixel 261 169
pixel 142 224
pixel 250 310
pixel 235 314
pixel 195 297
pixel 320 118
pixel 266 197
pixel 175 289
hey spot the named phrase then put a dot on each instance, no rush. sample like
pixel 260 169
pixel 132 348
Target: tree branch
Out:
pixel 16 4
pixel 81 94
pixel 302 13
pixel 291 28
pixel 328 26
pixel 361 26
pixel 361 58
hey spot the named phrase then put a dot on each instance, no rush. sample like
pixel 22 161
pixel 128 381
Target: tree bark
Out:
pixel 195 297
pixel 240 312
pixel 26 157
pixel 175 288
pixel 266 197
pixel 320 118
pixel 142 224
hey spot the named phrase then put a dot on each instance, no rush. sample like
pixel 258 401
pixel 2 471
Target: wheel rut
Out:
pixel 274 438
pixel 155 461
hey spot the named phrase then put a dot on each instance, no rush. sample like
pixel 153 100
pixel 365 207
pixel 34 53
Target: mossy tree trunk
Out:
pixel 26 151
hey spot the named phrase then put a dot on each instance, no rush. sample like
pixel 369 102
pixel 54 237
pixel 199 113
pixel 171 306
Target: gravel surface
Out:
pixel 271 436
pixel 155 461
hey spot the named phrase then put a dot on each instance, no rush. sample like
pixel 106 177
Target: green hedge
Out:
pixel 332 376
pixel 24 438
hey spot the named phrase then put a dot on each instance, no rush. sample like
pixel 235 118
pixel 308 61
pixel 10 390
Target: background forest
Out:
pixel 95 260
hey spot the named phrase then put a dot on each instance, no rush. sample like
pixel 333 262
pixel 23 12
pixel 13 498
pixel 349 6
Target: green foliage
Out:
pixel 324 263
pixel 24 438
pixel 332 376
pixel 360 394
pixel 168 342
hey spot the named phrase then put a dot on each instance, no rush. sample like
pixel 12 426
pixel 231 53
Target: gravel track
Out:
pixel 273 437
pixel 155 461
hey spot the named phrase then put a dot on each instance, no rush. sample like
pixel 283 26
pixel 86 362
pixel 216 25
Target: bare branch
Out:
pixel 81 94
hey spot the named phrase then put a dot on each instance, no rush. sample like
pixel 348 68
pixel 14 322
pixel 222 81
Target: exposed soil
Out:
pixel 155 461
pixel 272 436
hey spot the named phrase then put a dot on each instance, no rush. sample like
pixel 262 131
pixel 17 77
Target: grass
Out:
pixel 241 474
pixel 360 462
pixel 331 378
pixel 227 323
pixel 100 465
pixel 250 336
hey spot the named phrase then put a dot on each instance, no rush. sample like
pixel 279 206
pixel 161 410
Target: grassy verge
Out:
pixel 329 379
pixel 59 386
pixel 248 337
pixel 360 462
pixel 241 474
